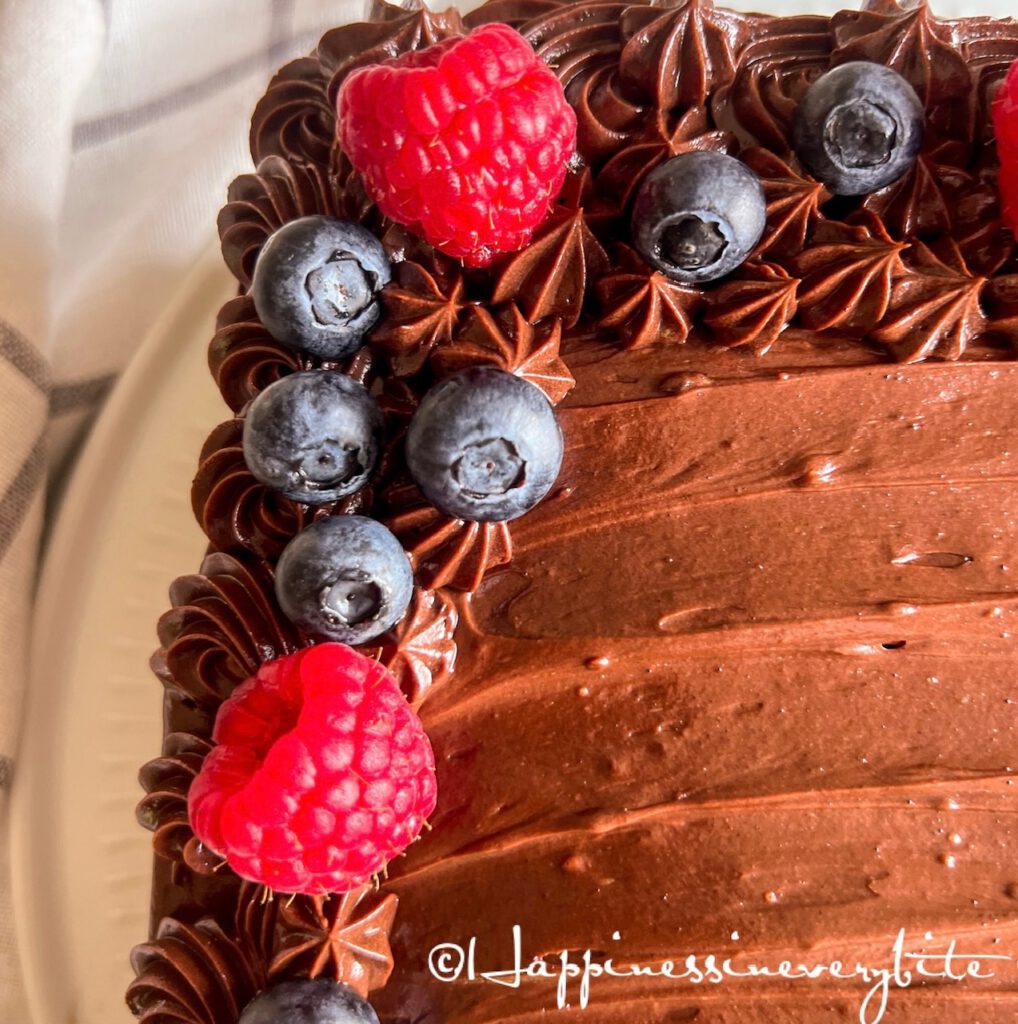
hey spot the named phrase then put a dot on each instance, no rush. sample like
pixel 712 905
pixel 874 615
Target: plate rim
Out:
pixel 37 777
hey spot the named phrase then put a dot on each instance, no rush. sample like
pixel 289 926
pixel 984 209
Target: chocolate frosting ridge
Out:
pixel 224 624
pixel 677 56
pixel 754 307
pixel 163 811
pixel 343 937
pixel 279 191
pixel 192 974
pixel 294 119
pixel 243 357
pixel 206 973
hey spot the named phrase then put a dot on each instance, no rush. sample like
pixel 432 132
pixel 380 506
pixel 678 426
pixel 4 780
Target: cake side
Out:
pixel 748 670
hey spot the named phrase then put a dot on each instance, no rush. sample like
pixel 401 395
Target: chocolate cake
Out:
pixel 744 683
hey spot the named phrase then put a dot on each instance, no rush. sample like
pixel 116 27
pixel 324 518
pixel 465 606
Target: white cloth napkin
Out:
pixel 121 124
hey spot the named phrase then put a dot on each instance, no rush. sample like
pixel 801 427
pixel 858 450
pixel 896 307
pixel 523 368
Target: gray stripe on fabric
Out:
pixel 280 24
pixel 107 127
pixel 79 394
pixel 21 354
pixel 21 492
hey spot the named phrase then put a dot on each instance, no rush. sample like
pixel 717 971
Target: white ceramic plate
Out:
pixel 82 867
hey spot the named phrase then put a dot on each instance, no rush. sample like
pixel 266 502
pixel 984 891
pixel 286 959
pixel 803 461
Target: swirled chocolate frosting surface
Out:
pixel 746 682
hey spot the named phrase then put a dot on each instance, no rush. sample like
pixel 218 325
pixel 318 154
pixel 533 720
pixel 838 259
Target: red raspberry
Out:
pixel 1005 123
pixel 465 142
pixel 321 774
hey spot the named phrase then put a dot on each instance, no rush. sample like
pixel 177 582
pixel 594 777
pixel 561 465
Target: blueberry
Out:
pixel 318 1001
pixel 315 436
pixel 316 284
pixel 697 216
pixel 484 445
pixel 344 578
pixel 858 128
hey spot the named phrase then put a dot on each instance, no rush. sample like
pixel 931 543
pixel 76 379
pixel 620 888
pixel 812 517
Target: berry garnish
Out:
pixel 315 436
pixel 308 1001
pixel 1005 124
pixel 316 282
pixel 858 128
pixel 321 773
pixel 484 445
pixel 344 578
pixel 698 216
pixel 465 142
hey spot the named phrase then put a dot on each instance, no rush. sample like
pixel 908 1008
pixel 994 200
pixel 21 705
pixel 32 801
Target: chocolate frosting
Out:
pixel 642 306
pixel 163 812
pixel 743 683
pixel 193 974
pixel 750 735
pixel 445 552
pixel 207 972
pixel 420 650
pixel 343 937
pixel 224 623
pixel 424 307
pixel 753 307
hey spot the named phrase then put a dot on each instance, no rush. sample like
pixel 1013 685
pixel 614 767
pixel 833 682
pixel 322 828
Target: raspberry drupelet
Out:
pixel 1005 124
